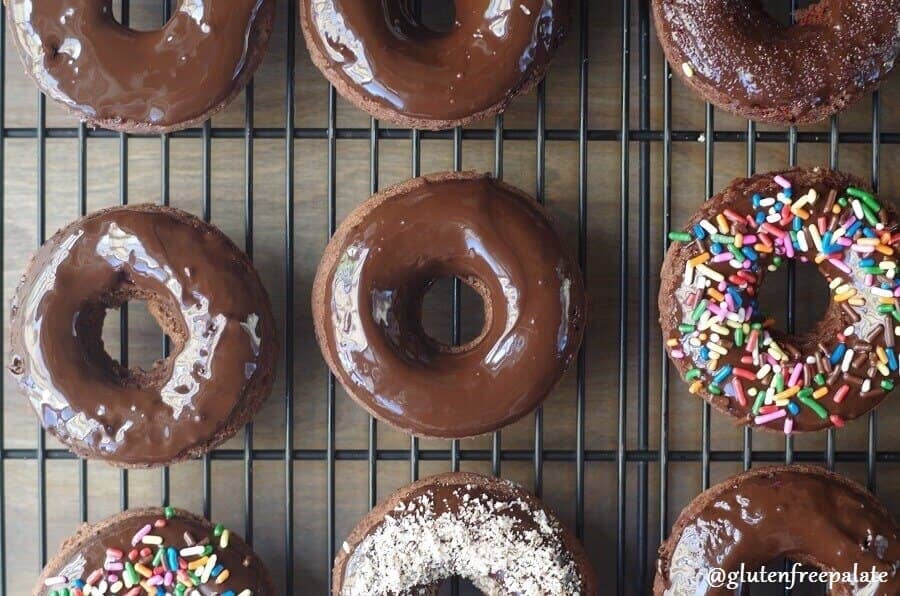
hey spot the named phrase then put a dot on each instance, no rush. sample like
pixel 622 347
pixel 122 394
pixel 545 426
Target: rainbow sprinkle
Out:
pixel 726 344
pixel 152 567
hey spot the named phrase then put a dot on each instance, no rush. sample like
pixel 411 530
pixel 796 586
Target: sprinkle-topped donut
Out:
pixel 814 517
pixel 732 354
pixel 384 59
pixel 144 81
pixel 158 551
pixel 206 297
pixel 370 285
pixel 486 530
pixel 738 57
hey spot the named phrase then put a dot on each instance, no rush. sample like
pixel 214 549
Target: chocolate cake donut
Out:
pixel 486 530
pixel 142 81
pixel 732 354
pixel 368 292
pixel 155 551
pixel 385 60
pixel 801 512
pixel 736 56
pixel 206 297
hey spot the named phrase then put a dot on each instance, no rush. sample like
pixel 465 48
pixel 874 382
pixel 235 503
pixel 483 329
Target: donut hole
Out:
pixel 143 15
pixel 438 312
pixel 812 304
pixel 418 18
pixel 780 11
pixel 98 328
pixel 437 16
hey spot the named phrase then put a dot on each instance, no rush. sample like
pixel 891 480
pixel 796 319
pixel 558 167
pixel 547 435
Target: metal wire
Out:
pixel 638 457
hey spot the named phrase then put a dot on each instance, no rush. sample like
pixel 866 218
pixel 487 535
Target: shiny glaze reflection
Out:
pixel 81 56
pixel 491 49
pixel 213 317
pixel 484 234
pixel 737 50
pixel 92 554
pixel 785 514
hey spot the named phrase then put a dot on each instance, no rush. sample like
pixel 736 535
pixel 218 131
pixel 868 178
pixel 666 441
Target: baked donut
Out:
pixel 736 56
pixel 205 296
pixel 801 512
pixel 387 62
pixel 486 530
pixel 141 81
pixel 731 353
pixel 153 551
pixel 368 292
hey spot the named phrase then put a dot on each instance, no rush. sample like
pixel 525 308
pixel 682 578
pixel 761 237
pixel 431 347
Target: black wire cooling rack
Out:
pixel 633 570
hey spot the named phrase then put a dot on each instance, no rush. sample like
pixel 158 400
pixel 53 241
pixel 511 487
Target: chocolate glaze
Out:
pixel 871 330
pixel 85 552
pixel 368 295
pixel 488 561
pixel 205 296
pixel 741 59
pixel 159 80
pixel 389 64
pixel 800 512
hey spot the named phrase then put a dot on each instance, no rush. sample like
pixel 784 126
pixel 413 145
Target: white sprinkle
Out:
pixel 686 68
pixel 848 358
pixel 191 551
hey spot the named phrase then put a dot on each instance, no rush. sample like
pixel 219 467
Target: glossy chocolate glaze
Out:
pixel 86 552
pixel 872 332
pixel 385 60
pixel 800 512
pixel 368 297
pixel 741 59
pixel 117 77
pixel 203 293
pixel 491 532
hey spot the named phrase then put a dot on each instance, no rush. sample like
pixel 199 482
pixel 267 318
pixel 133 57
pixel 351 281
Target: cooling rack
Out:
pixel 618 150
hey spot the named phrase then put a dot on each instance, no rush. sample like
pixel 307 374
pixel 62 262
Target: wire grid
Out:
pixel 627 136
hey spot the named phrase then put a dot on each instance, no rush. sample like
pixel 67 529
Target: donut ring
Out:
pixel 812 516
pixel 204 294
pixel 89 556
pixel 731 354
pixel 487 530
pixel 367 301
pixel 141 81
pixel 736 56
pixel 388 64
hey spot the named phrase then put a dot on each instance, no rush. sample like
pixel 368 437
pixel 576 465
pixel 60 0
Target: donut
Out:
pixel 805 513
pixel 141 81
pixel 387 62
pixel 154 550
pixel 205 296
pixel 731 353
pixel 368 292
pixel 487 530
pixel 736 56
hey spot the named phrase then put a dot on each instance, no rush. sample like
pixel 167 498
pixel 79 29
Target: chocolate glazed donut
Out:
pixel 368 292
pixel 205 295
pixel 95 554
pixel 487 530
pixel 380 57
pixel 142 81
pixel 738 57
pixel 804 513
pixel 732 354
